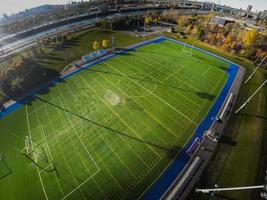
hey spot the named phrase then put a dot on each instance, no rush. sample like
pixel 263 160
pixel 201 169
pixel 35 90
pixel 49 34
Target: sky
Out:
pixel 13 6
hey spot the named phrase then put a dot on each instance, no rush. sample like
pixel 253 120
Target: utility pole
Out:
pixel 247 101
pixel 212 190
pixel 254 187
pixel 144 28
pixel 255 69
pixel 111 30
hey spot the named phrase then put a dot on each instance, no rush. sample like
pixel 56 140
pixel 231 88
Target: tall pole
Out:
pixel 144 28
pixel 230 189
pixel 111 29
pixel 253 187
pixel 244 104
pixel 255 69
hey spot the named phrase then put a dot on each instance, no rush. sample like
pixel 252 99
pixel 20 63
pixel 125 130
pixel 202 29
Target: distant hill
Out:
pixel 42 9
pixel 31 12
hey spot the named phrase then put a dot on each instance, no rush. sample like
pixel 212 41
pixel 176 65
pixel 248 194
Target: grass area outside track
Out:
pixel 112 129
pixel 51 59
pixel 80 43
pixel 245 163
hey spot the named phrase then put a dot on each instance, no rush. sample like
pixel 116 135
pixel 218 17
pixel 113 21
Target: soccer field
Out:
pixel 111 130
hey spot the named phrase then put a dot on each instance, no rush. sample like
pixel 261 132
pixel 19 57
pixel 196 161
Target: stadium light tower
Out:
pixel 255 69
pixel 111 30
pixel 144 28
pixel 248 100
pixel 254 187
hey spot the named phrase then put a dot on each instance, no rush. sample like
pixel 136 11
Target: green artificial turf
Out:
pixel 244 163
pixel 110 131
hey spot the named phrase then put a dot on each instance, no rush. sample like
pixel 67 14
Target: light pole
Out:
pixel 212 190
pixel 254 187
pixel 111 30
pixel 144 28
pixel 247 101
pixel 255 69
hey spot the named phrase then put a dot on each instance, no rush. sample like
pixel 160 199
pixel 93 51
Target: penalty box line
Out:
pixel 29 131
pixel 80 185
pixel 156 96
pixel 98 169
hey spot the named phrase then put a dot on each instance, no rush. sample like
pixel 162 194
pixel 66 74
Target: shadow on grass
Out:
pixel 19 83
pixel 110 130
pixel 202 95
pixel 223 197
pixel 254 116
pixel 228 140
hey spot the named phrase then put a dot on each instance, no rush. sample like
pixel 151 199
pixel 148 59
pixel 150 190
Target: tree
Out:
pixel 228 42
pixel 195 30
pixel 251 38
pixel 105 43
pixel 180 22
pixel 250 53
pixel 148 20
pixel 188 29
pixel 201 34
pixel 96 45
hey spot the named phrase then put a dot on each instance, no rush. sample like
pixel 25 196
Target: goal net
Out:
pixel 112 97
pixel 5 170
pixel 37 155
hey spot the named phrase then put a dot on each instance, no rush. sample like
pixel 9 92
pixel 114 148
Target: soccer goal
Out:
pixel 188 50
pixel 5 170
pixel 37 155
pixel 112 97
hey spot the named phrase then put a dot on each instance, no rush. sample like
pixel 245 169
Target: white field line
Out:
pixel 206 71
pixel 196 59
pixel 125 123
pixel 188 99
pixel 69 167
pixel 158 97
pixel 181 148
pixel 187 84
pixel 149 167
pixel 43 170
pixel 122 60
pixel 63 154
pixel 48 148
pixel 152 116
pixel 170 162
pixel 40 107
pixel 42 184
pixel 122 139
pixel 171 74
pixel 195 130
pixel 98 169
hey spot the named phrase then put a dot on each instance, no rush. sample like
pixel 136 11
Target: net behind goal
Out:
pixel 5 170
pixel 37 155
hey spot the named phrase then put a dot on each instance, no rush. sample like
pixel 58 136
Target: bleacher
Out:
pixel 94 55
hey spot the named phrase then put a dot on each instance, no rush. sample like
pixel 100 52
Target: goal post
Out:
pixel 5 169
pixel 37 155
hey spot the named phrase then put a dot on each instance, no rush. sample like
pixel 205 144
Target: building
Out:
pixel 249 8
pixel 222 21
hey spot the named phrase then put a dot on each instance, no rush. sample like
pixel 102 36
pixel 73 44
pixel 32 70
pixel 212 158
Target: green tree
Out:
pixel 228 42
pixel 96 45
pixel 201 34
pixel 251 38
pixel 105 43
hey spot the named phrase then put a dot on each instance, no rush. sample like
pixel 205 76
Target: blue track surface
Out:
pixel 164 182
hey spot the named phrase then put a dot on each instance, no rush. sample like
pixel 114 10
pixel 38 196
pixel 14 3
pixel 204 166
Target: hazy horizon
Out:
pixel 7 6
